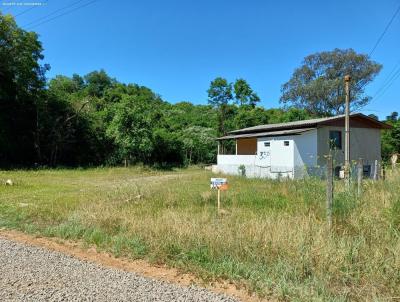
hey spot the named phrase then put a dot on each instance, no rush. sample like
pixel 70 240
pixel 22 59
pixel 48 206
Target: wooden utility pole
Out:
pixel 329 189
pixel 347 79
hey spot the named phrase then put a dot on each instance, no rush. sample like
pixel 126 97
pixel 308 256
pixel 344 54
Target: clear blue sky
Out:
pixel 177 47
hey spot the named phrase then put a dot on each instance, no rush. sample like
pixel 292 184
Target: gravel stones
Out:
pixel 29 273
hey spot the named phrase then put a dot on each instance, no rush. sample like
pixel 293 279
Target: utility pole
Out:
pixel 347 79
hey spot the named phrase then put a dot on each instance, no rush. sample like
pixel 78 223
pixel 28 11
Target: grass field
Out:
pixel 273 238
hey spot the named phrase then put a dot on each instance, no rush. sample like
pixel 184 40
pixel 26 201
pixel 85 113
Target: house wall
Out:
pixel 305 153
pixel 246 146
pixel 365 143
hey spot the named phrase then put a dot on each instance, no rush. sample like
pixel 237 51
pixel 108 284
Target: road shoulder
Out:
pixel 141 267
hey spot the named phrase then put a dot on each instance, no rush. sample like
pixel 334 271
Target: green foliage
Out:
pixel 318 84
pixel 219 96
pixel 21 85
pixel 95 120
pixel 244 95
pixel 97 82
pixel 391 137
pixel 131 125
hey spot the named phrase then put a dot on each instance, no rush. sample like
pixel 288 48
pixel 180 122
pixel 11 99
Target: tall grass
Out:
pixel 273 238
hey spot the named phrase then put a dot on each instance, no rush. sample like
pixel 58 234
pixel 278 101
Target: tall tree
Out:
pixel 393 117
pixel 318 85
pixel 244 94
pixel 132 124
pixel 22 84
pixel 97 82
pixel 219 96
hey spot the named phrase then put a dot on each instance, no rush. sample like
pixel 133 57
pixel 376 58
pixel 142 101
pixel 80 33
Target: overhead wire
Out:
pixel 63 14
pixel 52 13
pixel 393 75
pixel 384 31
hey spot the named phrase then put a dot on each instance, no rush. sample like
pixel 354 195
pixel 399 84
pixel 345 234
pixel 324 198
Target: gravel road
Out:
pixel 29 273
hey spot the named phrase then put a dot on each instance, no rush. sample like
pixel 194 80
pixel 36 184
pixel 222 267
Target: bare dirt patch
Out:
pixel 144 268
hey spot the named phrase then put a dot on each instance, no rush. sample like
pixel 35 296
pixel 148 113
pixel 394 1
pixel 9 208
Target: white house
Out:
pixel 297 149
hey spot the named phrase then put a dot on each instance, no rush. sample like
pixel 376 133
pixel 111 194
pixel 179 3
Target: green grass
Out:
pixel 274 239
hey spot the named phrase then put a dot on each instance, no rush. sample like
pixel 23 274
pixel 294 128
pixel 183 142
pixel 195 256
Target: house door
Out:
pixel 282 156
pixel 264 154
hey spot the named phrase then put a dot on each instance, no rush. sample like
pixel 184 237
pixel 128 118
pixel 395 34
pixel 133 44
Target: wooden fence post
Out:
pixel 219 201
pixel 383 171
pixel 359 177
pixel 376 173
pixel 329 189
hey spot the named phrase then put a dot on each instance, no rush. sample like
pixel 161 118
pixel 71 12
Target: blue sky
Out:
pixel 177 47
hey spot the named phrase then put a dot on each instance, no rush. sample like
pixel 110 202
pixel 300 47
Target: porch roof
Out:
pixel 267 134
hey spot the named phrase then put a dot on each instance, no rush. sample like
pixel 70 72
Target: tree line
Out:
pixel 93 119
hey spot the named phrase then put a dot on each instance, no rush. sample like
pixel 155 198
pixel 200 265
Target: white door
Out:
pixel 282 156
pixel 264 154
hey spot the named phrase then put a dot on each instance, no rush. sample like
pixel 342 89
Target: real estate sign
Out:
pixel 219 184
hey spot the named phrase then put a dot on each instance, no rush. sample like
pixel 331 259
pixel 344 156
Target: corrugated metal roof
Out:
pixel 305 123
pixel 267 134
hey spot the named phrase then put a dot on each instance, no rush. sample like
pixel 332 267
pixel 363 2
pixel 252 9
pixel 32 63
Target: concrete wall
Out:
pixel 229 164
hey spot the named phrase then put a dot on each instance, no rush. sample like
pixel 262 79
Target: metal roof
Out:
pixel 307 123
pixel 267 134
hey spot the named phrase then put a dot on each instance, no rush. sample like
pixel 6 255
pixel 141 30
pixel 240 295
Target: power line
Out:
pixel 389 77
pixel 52 13
pixel 63 14
pixel 25 11
pixel 6 9
pixel 388 85
pixel 389 80
pixel 384 31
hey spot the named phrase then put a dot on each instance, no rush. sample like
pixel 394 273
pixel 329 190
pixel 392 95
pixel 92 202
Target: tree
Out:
pixel 132 124
pixel 393 117
pixel 391 140
pixel 219 96
pixel 244 95
pixel 199 144
pixel 246 117
pixel 22 83
pixel 318 84
pixel 374 116
pixel 391 137
pixel 97 82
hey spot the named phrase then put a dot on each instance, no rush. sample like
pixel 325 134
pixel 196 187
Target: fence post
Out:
pixel 383 171
pixel 359 177
pixel 376 174
pixel 219 201
pixel 329 189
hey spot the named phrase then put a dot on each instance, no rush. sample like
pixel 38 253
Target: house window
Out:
pixel 335 140
pixel 367 170
pixel 286 143
pixel 267 144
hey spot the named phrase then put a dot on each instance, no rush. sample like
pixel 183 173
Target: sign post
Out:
pixel 220 184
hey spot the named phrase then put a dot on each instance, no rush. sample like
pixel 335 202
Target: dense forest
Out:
pixel 93 119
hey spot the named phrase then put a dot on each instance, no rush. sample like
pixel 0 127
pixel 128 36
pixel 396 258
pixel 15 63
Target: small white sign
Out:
pixel 219 183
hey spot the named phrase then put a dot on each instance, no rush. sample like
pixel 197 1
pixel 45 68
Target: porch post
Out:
pixel 236 146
